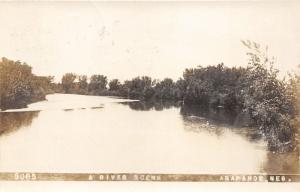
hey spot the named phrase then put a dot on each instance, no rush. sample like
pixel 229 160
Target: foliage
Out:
pixel 97 84
pixel 82 84
pixel 213 85
pixel 138 88
pixel 18 86
pixel 114 85
pixel 266 98
pixel 67 82
pixel 166 89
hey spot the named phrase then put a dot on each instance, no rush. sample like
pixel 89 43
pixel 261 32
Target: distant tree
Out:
pixel 97 84
pixel 148 92
pixel 212 85
pixel 180 87
pixel 114 85
pixel 140 87
pixel 82 84
pixel 124 89
pixel 165 89
pixel 67 82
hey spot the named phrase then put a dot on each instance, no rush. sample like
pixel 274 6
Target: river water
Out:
pixel 76 133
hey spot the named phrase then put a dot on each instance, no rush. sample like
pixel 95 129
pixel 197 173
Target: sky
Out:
pixel 128 39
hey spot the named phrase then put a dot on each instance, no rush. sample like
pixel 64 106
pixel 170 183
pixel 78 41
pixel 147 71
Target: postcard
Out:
pixel 150 91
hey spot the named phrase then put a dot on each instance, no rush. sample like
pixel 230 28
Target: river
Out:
pixel 76 133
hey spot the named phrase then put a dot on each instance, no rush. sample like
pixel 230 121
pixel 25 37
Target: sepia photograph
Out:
pixel 205 91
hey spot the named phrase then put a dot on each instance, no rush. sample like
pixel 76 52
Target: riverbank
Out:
pixel 19 86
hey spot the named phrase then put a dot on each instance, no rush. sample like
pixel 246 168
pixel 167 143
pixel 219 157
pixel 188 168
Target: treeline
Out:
pixel 143 88
pixel 19 86
pixel 215 86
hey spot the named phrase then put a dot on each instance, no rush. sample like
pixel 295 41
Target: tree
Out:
pixel 114 85
pixel 294 96
pixel 97 84
pixel 139 87
pixel 148 92
pixel 180 87
pixel 18 86
pixel 67 82
pixel 166 89
pixel 265 98
pixel 82 84
pixel 41 85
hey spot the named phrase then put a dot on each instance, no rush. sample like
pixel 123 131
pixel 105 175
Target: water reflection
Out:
pixel 218 122
pixel 151 105
pixel 287 163
pixel 12 121
pixel 217 115
pixel 100 107
pixel 100 134
pixel 68 109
